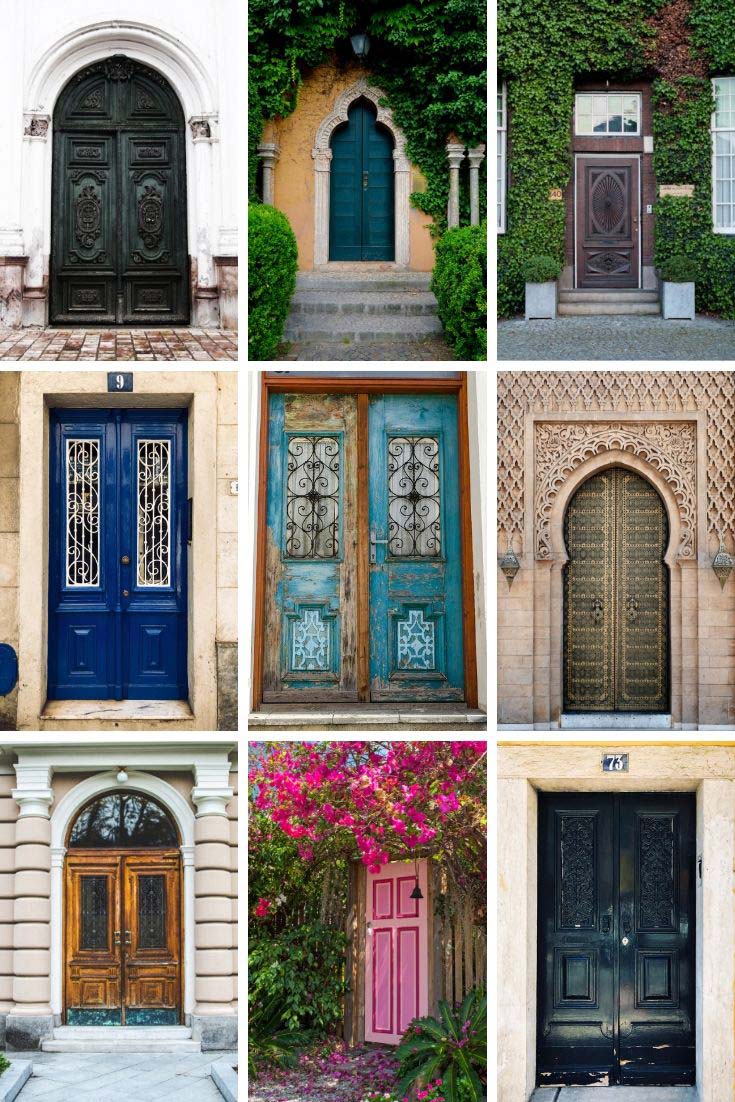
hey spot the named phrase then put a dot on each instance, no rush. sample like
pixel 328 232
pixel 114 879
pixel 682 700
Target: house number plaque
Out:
pixel 119 380
pixel 614 763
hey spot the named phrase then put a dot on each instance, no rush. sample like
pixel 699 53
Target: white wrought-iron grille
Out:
pixel 154 513
pixel 82 513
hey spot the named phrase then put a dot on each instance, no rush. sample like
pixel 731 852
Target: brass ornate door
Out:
pixel 119 244
pixel 616 597
pixel 607 222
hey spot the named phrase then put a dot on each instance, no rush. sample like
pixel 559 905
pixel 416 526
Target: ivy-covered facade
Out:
pixel 617 116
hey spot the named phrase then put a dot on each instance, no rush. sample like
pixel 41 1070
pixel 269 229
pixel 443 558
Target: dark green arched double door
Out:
pixel 361 189
pixel 119 245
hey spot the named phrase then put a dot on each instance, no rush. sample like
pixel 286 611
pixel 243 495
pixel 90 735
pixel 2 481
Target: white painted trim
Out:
pixel 628 156
pixel 725 231
pixel 63 814
pixel 609 133
pixel 322 157
pixel 502 154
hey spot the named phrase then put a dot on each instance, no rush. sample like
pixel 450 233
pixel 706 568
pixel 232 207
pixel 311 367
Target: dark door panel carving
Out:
pixel 119 252
pixel 607 222
pixel 616 597
pixel 616 939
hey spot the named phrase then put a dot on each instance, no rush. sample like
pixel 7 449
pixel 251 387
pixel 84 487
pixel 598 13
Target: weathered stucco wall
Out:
pixel 294 171
pixel 227 499
pixel 9 447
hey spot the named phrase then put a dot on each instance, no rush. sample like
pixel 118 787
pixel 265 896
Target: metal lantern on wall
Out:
pixel 722 564
pixel 509 565
pixel 360 45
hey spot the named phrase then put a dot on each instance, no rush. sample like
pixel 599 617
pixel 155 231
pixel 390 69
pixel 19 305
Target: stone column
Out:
pixel 214 1018
pixel 268 153
pixel 31 1018
pixel 402 192
pixel 36 149
pixel 476 157
pixel 205 312
pixel 322 168
pixel 455 156
pixel 189 888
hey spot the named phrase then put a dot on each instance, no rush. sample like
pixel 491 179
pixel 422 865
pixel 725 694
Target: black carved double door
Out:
pixel 616 939
pixel 607 222
pixel 119 243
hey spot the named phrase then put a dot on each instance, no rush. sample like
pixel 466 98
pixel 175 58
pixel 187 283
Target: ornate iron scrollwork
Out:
pixel 312 497
pixel 88 217
pixel 414 525
pixel 150 216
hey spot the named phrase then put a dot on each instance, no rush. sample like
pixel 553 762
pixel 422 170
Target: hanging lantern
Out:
pixel 360 45
pixel 509 565
pixel 722 564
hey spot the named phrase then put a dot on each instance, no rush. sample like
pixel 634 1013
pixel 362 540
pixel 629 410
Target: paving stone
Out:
pixel 616 338
pixel 121 345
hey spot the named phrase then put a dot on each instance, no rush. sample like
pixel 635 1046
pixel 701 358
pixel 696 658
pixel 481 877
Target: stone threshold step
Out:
pixel 615 721
pixel 121 1046
pixel 376 328
pixel 356 302
pixel 157 1032
pixel 601 309
pixel 374 284
pixel 326 718
pixel 608 296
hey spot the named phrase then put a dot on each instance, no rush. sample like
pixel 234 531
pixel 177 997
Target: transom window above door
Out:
pixel 604 113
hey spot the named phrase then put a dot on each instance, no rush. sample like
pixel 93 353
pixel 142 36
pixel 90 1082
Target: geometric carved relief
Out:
pixel 669 446
pixel 549 392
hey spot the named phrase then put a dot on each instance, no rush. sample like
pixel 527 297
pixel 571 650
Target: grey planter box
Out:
pixel 677 301
pixel 541 300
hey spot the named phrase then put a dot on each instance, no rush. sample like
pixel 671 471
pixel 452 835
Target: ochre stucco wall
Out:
pixel 294 172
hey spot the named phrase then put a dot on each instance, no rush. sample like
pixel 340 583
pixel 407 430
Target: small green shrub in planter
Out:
pixel 540 269
pixel 460 285
pixel 678 269
pixel 272 262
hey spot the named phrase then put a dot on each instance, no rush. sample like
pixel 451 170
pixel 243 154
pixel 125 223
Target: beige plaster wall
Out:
pixel 294 171
pixel 9 449
pixel 226 507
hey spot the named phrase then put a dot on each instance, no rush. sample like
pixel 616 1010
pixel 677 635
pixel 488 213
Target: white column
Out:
pixel 202 247
pixel 455 156
pixel 57 925
pixel 476 157
pixel 212 791
pixel 322 168
pixel 187 859
pixel 268 153
pixel 402 192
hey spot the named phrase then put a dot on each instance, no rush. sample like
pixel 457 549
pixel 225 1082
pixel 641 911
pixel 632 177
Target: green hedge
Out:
pixel 272 262
pixel 460 285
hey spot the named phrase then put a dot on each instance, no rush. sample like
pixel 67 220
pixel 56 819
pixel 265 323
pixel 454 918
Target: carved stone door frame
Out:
pixel 612 439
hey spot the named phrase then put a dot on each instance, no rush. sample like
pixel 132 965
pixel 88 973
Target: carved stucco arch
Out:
pixel 322 157
pixel 672 472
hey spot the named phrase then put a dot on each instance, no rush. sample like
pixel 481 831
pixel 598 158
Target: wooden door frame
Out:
pixel 121 852
pixel 363 387
pixel 638 157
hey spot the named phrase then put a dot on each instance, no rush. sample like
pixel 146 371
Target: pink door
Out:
pixel 396 956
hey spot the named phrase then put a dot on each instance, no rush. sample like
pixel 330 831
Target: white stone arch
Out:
pixel 64 813
pixel 181 65
pixel 322 156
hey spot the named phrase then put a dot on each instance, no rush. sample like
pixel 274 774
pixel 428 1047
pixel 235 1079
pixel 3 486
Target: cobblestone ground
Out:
pixel 128 1077
pixel 118 344
pixel 616 338
pixel 433 348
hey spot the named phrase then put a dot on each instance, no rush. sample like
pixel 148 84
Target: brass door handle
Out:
pixel 128 940
pixel 117 937
pixel 125 560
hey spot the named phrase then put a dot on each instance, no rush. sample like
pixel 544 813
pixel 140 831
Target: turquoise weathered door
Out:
pixel 361 189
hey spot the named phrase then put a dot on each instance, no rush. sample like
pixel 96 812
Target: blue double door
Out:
pixel 361 220
pixel 363 503
pixel 117 555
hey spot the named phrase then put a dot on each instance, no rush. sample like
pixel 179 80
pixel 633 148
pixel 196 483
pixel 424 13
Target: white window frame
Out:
pixel 159 440
pixel 728 230
pixel 96 455
pixel 502 157
pixel 607 134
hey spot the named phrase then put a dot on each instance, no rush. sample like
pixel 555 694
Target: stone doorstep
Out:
pixel 615 1094
pixel 121 1039
pixel 615 721
pixel 224 1078
pixel 14 1079
pixel 372 719
pixel 69 711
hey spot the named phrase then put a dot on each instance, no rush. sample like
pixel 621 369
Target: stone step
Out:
pixel 372 282
pixel 609 296
pixel 589 309
pixel 408 303
pixel 71 1038
pixel 360 327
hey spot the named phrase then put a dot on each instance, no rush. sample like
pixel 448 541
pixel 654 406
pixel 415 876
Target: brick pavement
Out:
pixel 118 344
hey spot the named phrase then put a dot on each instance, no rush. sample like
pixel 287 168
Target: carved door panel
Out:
pixel 616 597
pixel 616 939
pixel 607 218
pixel 152 939
pixel 415 570
pixel 123 938
pixel 93 940
pixel 119 245
pixel 117 556
pixel 361 189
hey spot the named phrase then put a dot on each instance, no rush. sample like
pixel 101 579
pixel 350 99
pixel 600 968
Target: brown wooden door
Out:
pixel 608 222
pixel 123 938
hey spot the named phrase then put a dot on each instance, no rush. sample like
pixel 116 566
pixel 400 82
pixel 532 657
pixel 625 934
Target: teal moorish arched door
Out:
pixel 361 188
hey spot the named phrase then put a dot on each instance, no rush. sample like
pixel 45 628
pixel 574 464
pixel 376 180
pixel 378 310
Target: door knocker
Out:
pixel 597 613
pixel 631 607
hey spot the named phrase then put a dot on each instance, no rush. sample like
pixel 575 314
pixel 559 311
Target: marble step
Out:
pixel 69 1038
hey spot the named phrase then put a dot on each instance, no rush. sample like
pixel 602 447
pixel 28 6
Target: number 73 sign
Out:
pixel 614 763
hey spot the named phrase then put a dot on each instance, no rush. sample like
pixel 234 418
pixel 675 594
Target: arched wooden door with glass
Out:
pixel 123 927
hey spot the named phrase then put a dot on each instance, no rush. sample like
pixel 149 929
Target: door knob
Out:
pixel 117 937
pixel 373 546
pixel 126 593
pixel 125 560
pixel 625 941
pixel 127 937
